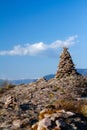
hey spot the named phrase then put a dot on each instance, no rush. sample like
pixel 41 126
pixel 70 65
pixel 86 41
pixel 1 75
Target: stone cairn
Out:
pixel 66 66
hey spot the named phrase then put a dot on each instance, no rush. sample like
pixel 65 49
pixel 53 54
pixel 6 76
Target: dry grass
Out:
pixel 6 87
pixel 76 106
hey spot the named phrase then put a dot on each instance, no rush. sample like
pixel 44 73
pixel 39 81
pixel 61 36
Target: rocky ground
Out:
pixel 20 105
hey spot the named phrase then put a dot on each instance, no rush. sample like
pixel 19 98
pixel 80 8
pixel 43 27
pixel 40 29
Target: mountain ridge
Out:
pixel 47 77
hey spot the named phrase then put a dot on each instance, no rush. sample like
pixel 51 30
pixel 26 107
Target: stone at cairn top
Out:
pixel 66 66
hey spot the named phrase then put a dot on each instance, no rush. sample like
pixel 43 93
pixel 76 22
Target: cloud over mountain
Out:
pixel 38 48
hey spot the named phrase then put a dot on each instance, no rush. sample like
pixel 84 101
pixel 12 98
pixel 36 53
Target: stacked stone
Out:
pixel 66 66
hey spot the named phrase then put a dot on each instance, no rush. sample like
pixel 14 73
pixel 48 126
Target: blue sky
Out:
pixel 32 33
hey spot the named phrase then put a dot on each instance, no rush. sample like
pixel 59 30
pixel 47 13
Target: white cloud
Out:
pixel 68 42
pixel 37 48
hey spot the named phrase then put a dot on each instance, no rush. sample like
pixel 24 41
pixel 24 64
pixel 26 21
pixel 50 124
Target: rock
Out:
pixel 24 122
pixel 41 81
pixel 1 105
pixel 4 125
pixel 16 123
pixel 50 119
pixel 10 102
pixel 59 120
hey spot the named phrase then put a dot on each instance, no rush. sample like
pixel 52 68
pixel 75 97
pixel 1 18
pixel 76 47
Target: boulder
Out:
pixel 10 102
pixel 16 123
pixel 52 120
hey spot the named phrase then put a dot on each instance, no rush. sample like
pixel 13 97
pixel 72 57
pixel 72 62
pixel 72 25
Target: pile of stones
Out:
pixel 66 66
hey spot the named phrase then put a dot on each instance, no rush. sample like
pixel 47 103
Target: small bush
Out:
pixel 6 87
pixel 9 86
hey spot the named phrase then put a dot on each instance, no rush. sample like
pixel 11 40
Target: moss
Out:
pixel 51 95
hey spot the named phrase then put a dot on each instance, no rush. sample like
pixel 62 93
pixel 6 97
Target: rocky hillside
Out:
pixel 63 97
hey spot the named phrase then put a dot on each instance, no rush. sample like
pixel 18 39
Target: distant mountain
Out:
pixel 1 82
pixel 17 82
pixel 22 81
pixel 26 81
pixel 81 71
pixel 47 77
